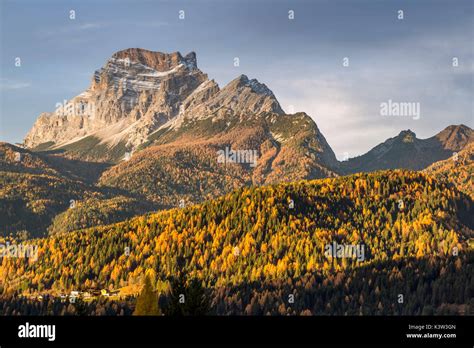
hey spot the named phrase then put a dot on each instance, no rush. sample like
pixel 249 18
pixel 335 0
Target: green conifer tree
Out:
pixel 147 301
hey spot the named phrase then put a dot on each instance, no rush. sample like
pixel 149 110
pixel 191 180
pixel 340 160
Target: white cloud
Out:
pixel 152 24
pixel 70 28
pixel 6 85
pixel 87 26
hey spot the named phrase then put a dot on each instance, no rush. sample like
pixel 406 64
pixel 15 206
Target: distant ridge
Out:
pixel 408 152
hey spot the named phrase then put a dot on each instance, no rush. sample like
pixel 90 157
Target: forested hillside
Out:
pixel 38 190
pixel 458 170
pixel 255 237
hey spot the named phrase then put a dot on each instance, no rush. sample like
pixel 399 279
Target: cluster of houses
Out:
pixel 84 295
pixel 88 295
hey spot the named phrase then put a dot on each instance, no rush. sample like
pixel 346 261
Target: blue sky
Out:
pixel 407 60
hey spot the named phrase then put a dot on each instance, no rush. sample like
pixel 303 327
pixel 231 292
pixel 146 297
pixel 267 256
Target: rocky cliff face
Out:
pixel 136 92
